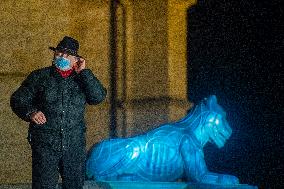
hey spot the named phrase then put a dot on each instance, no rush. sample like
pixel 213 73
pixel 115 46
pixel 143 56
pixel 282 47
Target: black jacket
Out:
pixel 62 100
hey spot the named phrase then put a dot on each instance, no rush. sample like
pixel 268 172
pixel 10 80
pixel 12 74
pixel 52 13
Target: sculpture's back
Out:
pixel 148 157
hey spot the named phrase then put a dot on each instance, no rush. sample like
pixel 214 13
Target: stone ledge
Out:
pixel 141 185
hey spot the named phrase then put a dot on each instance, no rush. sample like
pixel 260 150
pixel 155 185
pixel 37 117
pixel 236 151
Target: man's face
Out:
pixel 73 59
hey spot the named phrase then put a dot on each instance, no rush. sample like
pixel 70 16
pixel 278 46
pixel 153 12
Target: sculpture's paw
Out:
pixel 228 179
pixel 216 178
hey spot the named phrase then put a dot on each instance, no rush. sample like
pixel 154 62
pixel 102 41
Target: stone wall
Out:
pixel 151 65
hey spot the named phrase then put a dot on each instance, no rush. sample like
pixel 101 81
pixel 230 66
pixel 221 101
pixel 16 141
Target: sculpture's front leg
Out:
pixel 194 164
pixel 196 169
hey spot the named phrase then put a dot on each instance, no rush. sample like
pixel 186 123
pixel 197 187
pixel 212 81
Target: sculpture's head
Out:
pixel 216 126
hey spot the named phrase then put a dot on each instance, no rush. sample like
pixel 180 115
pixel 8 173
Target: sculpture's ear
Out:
pixel 211 101
pixel 213 105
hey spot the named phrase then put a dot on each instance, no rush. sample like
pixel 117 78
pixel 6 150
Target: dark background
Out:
pixel 235 51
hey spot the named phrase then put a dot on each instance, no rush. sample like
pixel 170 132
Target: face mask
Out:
pixel 62 63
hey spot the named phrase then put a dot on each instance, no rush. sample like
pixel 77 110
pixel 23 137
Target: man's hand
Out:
pixel 80 65
pixel 38 117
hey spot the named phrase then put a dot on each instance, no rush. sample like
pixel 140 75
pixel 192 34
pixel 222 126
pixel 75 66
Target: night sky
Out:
pixel 235 51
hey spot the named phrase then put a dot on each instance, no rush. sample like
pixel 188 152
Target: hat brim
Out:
pixel 54 49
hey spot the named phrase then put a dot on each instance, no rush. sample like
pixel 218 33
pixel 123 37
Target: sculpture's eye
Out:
pixel 217 121
pixel 214 120
pixel 211 120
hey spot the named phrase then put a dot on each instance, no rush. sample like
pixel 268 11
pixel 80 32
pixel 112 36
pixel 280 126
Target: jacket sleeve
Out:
pixel 21 100
pixel 93 89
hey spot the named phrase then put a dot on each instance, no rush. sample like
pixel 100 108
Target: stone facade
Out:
pixel 151 63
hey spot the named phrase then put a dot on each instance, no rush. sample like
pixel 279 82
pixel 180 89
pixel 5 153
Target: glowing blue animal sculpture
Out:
pixel 167 153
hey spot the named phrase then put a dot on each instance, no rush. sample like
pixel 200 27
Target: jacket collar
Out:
pixel 56 74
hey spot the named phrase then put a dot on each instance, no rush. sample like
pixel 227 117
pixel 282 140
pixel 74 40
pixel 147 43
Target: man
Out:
pixel 53 100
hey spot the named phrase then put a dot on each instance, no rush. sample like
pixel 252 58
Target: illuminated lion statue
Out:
pixel 170 152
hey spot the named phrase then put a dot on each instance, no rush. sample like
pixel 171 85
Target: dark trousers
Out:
pixel 48 163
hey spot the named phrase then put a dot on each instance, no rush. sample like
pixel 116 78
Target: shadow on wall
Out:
pixel 234 51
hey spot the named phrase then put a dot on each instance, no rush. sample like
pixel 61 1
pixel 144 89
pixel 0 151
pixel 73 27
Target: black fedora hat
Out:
pixel 68 45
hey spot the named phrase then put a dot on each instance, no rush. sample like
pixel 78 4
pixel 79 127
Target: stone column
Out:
pixel 156 53
pixel 154 61
pixel 177 56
